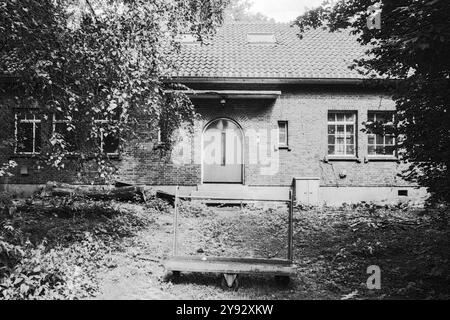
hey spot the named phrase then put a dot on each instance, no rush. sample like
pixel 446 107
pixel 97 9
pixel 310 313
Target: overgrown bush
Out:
pixel 10 255
pixel 5 203
pixel 159 205
pixel 51 247
pixel 57 273
pixel 194 209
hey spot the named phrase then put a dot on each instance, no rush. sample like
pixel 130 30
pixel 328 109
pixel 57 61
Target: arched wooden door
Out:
pixel 222 152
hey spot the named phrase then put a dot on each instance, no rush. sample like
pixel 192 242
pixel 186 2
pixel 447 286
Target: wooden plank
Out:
pixel 230 259
pixel 234 202
pixel 170 197
pixel 217 266
pixel 233 199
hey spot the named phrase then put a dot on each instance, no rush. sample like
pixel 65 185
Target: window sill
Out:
pixel 26 155
pixel 76 156
pixel 113 156
pixel 284 148
pixel 381 158
pixel 159 145
pixel 342 158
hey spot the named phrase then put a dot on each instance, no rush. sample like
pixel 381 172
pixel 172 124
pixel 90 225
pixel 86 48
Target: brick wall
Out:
pixel 141 163
pixel 306 110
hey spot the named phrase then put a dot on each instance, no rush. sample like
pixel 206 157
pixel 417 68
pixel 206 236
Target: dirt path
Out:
pixel 332 250
pixel 136 272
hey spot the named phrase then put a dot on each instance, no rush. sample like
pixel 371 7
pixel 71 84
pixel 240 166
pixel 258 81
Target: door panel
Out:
pixel 222 152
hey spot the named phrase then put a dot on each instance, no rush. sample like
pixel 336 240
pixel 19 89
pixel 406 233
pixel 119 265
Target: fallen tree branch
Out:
pixel 125 193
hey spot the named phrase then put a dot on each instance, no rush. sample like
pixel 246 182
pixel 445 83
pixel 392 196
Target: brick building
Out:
pixel 273 109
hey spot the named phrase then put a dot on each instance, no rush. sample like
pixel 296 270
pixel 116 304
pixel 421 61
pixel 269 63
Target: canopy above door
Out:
pixel 237 94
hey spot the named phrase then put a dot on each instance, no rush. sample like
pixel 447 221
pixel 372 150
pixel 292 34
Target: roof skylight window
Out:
pixel 261 38
pixel 188 38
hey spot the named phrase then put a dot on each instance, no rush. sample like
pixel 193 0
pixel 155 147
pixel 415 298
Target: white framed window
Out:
pixel 342 133
pixel 282 134
pixel 158 135
pixel 27 132
pixel 381 144
pixel 109 143
pixel 59 124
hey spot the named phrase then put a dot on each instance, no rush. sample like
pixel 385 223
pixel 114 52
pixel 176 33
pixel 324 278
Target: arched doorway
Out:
pixel 222 152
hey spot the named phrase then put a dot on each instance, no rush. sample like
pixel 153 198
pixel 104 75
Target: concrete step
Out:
pixel 224 187
pixel 240 193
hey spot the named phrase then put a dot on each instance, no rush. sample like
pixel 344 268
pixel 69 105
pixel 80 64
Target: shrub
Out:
pixel 194 209
pixel 5 203
pixel 159 205
pixel 10 255
pixel 52 247
pixel 57 273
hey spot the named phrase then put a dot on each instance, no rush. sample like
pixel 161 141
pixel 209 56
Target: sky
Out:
pixel 283 10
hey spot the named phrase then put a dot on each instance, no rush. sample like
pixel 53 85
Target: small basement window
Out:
pixel 261 38
pixel 403 193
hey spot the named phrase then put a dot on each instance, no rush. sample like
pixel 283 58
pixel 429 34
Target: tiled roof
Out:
pixel 320 54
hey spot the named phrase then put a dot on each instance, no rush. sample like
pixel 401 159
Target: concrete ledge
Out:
pixel 327 195
pixel 382 195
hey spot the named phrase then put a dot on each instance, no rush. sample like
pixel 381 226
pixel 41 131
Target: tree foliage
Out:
pixel 239 11
pixel 105 60
pixel 410 49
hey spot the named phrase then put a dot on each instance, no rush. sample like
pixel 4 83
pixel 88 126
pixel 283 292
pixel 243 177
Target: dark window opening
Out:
pixel 28 133
pixel 282 134
pixel 109 140
pixel 111 144
pixel 61 127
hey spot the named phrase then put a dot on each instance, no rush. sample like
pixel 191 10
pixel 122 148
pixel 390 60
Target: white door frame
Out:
pixel 242 146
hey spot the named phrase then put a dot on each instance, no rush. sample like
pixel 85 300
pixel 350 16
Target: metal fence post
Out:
pixel 175 223
pixel 290 226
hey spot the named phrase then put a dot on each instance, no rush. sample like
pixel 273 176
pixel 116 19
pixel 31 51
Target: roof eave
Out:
pixel 237 80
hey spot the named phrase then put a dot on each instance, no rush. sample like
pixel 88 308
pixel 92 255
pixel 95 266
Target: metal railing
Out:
pixel 289 202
